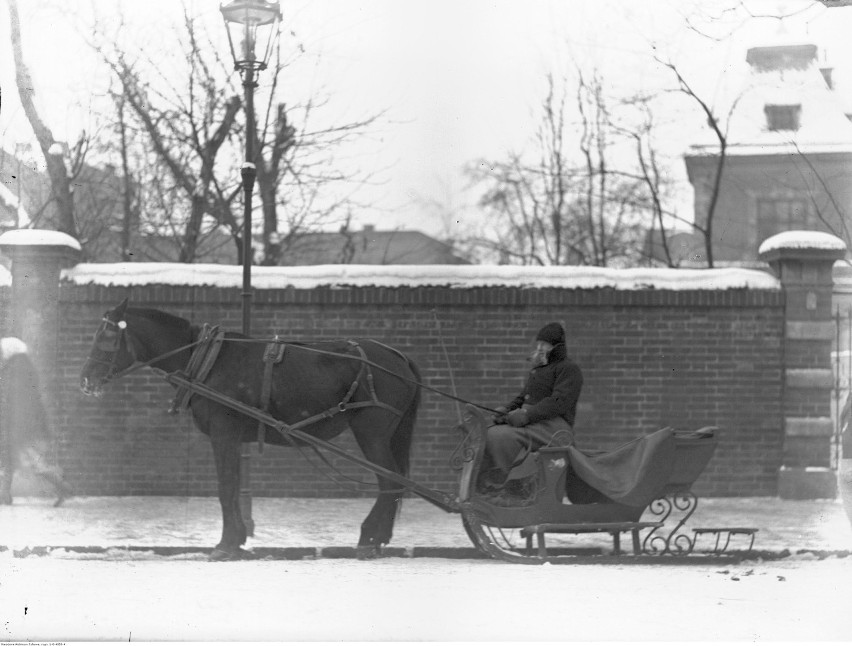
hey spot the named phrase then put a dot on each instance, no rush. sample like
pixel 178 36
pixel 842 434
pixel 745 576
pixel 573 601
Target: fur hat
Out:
pixel 551 333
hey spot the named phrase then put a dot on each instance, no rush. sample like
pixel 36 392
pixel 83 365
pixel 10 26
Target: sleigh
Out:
pixel 642 488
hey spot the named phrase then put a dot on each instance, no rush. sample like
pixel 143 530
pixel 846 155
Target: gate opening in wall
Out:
pixel 841 391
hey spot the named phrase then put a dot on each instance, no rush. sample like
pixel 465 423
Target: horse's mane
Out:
pixel 160 317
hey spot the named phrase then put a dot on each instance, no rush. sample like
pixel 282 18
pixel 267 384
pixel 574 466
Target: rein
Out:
pixel 138 366
pixel 362 358
pixel 373 364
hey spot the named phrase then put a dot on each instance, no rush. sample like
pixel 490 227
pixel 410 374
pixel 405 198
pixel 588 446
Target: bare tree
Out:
pixel 720 126
pixel 60 171
pixel 129 201
pixel 650 174
pixel 192 129
pixel 820 192
pixel 186 138
pixel 569 206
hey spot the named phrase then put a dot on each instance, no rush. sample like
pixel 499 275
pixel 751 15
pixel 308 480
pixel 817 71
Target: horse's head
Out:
pixel 112 352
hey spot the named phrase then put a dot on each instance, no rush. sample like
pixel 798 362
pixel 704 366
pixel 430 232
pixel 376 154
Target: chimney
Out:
pixel 781 57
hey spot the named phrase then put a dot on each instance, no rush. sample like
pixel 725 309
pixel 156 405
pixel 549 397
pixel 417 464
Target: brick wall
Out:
pixel 650 358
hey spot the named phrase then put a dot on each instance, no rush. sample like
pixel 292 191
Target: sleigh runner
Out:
pixel 567 491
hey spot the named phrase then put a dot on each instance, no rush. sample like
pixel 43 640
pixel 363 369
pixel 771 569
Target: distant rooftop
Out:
pixel 370 247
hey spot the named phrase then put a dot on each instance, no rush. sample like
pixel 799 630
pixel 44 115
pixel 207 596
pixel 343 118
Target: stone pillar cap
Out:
pixel 38 238
pixel 807 244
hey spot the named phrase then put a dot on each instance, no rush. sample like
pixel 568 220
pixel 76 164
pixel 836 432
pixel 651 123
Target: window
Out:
pixel 782 117
pixel 787 214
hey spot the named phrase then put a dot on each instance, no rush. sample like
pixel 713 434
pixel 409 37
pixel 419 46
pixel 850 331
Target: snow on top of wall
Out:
pixel 457 276
pixel 802 240
pixel 38 237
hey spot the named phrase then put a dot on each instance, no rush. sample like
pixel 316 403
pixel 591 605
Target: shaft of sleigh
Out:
pixel 440 499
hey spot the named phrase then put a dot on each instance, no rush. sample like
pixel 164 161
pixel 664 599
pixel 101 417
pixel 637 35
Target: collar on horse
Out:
pixel 200 364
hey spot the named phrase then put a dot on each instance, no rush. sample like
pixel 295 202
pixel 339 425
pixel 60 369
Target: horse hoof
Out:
pixel 238 554
pixel 219 554
pixel 368 552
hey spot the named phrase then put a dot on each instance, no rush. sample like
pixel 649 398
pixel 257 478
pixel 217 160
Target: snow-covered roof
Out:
pixel 802 240
pixel 38 237
pixel 782 145
pixel 456 276
pixel 11 202
pixel 823 126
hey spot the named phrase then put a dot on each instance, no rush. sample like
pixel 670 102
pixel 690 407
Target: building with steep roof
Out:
pixel 789 155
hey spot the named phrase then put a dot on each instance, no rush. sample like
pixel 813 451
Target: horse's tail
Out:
pixel 402 437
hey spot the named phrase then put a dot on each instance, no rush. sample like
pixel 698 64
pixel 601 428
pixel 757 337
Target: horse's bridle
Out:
pixel 116 333
pixel 108 339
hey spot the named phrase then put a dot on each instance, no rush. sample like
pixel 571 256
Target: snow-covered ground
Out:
pixel 65 599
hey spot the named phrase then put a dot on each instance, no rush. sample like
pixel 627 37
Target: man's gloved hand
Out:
pixel 500 416
pixel 518 417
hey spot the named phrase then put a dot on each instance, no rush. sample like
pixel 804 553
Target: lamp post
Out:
pixel 249 22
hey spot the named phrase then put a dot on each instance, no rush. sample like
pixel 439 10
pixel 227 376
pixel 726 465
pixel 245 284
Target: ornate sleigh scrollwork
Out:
pixel 465 451
pixel 680 506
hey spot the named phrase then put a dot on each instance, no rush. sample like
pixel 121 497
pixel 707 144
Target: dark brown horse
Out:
pixel 371 387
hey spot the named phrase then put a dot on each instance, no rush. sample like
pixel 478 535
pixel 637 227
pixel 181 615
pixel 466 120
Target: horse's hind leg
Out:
pixel 374 441
pixel 226 452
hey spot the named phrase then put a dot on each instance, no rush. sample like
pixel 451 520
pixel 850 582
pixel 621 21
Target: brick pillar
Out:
pixel 803 262
pixel 37 258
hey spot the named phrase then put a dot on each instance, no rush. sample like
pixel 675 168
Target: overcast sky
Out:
pixel 459 79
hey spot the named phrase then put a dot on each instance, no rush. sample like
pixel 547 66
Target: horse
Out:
pixel 363 385
pixel 24 429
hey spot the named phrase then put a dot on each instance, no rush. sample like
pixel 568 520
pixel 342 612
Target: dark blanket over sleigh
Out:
pixel 638 471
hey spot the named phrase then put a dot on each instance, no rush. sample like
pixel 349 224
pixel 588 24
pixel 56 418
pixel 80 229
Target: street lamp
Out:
pixel 248 23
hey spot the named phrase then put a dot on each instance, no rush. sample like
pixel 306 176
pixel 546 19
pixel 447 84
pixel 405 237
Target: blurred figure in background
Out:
pixel 24 433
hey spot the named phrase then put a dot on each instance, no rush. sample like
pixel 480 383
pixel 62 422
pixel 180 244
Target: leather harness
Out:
pixel 200 364
pixel 206 352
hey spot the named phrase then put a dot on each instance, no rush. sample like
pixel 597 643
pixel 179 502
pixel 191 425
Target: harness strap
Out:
pixel 200 363
pixel 273 354
pixel 345 403
pixel 371 387
pixel 383 369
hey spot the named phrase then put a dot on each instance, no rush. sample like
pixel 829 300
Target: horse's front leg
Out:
pixel 226 452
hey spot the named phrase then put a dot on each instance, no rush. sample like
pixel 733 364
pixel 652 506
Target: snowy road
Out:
pixel 62 599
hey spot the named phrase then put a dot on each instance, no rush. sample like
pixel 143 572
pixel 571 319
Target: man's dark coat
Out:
pixel 552 390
